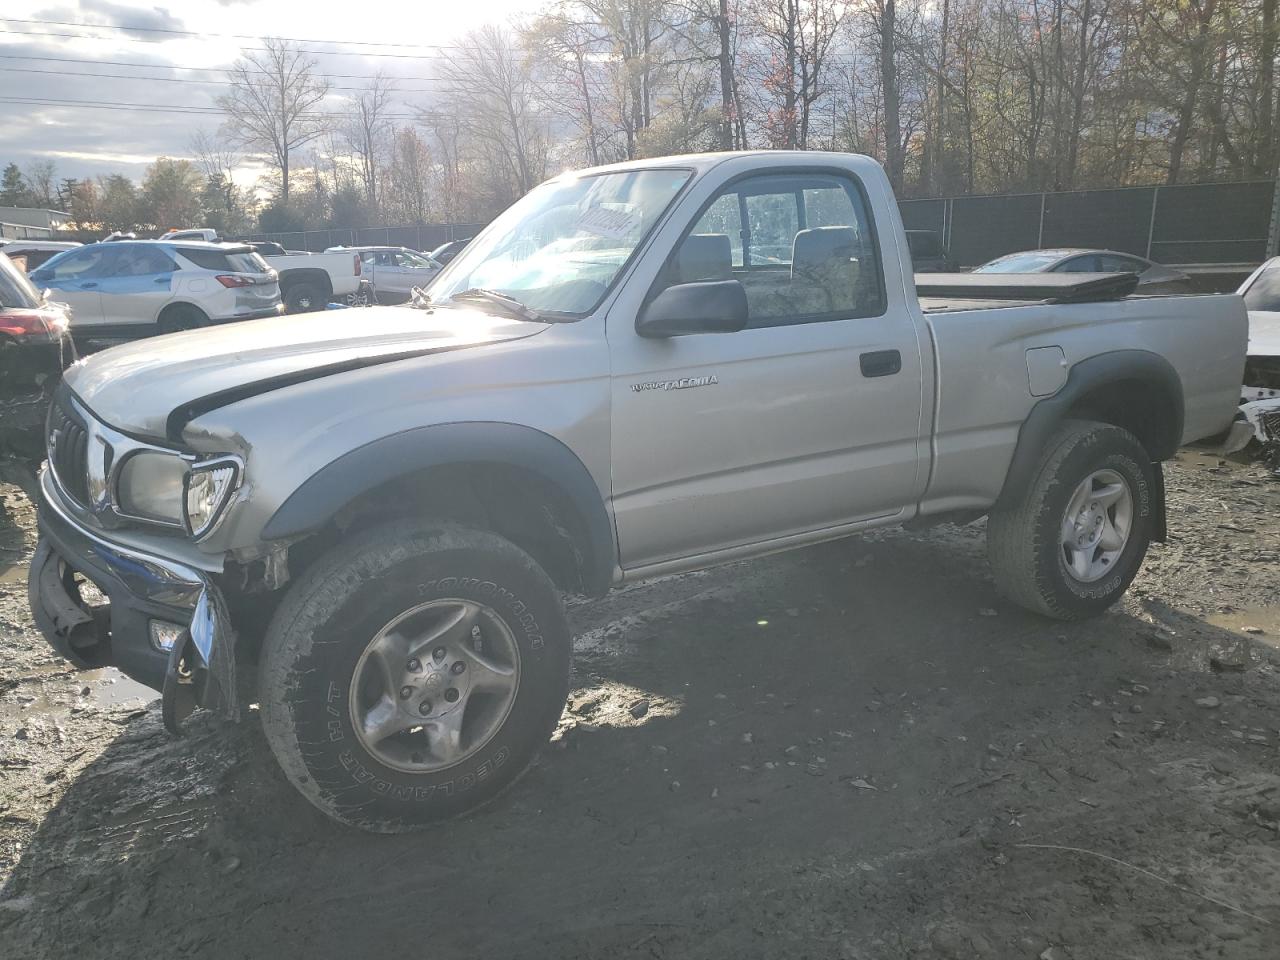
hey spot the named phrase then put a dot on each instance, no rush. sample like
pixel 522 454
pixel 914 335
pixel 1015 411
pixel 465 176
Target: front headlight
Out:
pixel 150 487
pixel 171 489
pixel 209 487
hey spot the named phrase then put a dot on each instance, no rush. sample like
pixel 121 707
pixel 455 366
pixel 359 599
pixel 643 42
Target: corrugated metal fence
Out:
pixel 1205 223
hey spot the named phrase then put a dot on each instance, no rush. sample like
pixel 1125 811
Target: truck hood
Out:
pixel 153 387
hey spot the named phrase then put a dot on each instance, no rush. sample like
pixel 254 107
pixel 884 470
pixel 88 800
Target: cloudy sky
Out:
pixel 101 87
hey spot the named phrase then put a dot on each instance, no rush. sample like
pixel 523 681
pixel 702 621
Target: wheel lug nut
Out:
pixel 424 707
pixel 414 665
pixel 438 654
pixel 458 667
pixel 451 695
pixel 406 693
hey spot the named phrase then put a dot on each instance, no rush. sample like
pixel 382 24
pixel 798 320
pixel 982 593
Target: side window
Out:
pixel 1085 264
pixel 142 262
pixel 1110 263
pixel 369 257
pixel 724 216
pixel 807 251
pixel 773 222
pixel 83 264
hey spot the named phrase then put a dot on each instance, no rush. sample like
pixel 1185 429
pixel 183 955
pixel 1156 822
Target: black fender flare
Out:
pixel 1084 378
pixel 367 467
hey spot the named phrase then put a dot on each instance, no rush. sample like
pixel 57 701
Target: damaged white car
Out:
pixel 1260 391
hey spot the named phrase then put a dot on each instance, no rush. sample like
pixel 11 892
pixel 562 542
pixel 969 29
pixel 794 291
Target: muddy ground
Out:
pixel 852 751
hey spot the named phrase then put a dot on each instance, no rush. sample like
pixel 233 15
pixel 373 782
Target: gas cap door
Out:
pixel 1046 370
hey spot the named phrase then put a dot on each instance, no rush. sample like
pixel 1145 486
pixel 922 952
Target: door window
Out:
pixel 802 245
pixel 141 262
pixel 86 264
pixel 406 258
pixel 1112 263
pixel 1085 264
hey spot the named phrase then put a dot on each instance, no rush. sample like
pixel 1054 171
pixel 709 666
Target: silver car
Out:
pixel 394 271
pixel 1152 277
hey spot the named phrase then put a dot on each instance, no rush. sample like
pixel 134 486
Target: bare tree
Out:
pixel 406 180
pixel 214 156
pixel 488 76
pixel 273 104
pixel 566 55
pixel 884 18
pixel 369 129
pixel 792 40
pixel 42 180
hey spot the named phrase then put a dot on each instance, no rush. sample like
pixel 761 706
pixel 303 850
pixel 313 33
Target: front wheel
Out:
pixel 412 675
pixel 1071 543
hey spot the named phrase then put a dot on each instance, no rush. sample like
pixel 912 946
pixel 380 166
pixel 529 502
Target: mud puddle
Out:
pixel 1260 624
pixel 56 689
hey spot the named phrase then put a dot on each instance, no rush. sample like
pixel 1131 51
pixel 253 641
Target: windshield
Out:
pixel 15 289
pixel 1264 292
pixel 559 249
pixel 408 258
pixel 1019 263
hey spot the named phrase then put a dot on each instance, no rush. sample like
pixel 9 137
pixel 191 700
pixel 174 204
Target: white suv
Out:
pixel 141 287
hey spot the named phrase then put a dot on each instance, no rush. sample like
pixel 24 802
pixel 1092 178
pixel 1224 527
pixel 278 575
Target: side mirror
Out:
pixel 713 306
pixel 40 276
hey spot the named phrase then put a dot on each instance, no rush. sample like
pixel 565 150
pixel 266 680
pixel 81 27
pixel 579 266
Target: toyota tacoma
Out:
pixel 367 527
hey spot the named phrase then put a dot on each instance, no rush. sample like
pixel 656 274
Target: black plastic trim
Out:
pixel 1085 377
pixel 310 506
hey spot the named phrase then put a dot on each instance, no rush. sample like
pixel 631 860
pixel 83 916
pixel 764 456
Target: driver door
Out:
pixel 807 420
pixel 76 280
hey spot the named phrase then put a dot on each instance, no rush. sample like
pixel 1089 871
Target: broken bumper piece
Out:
pixel 160 622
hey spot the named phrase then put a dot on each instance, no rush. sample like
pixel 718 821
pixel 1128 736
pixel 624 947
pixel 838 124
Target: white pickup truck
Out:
pixel 308 281
pixel 635 370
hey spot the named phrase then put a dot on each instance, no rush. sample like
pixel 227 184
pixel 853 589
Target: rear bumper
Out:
pixel 198 668
pixel 273 311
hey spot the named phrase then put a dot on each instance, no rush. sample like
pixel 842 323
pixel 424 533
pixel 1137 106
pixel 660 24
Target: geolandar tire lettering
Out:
pixel 412 675
pixel 1069 545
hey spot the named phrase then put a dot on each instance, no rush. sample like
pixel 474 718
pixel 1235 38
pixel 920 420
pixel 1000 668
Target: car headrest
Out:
pixel 820 247
pixel 704 256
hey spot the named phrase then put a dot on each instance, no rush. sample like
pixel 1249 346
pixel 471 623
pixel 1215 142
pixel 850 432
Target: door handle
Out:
pixel 880 363
pixel 88 285
pixel 164 280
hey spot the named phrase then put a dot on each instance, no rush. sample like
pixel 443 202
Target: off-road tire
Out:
pixel 330 614
pixel 1023 535
pixel 182 317
pixel 303 298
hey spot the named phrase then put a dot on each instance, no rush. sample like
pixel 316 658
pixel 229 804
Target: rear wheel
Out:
pixel 180 317
pixel 1072 542
pixel 413 675
pixel 303 298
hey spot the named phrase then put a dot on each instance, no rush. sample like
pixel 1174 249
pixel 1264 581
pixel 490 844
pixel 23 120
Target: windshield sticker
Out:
pixel 612 224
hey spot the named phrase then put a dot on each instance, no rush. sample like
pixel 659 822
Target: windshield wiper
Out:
pixel 510 304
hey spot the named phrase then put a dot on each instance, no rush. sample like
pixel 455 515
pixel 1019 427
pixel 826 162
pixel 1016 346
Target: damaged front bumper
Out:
pixel 163 624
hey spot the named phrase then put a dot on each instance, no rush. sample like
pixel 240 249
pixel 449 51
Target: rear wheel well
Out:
pixel 1145 409
pixel 181 316
pixel 514 503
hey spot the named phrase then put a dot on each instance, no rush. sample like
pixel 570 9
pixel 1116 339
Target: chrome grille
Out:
pixel 69 449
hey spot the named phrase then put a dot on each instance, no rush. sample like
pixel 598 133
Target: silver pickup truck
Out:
pixel 635 370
